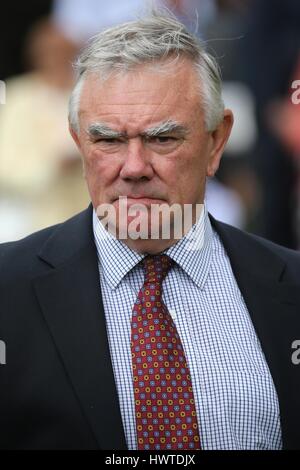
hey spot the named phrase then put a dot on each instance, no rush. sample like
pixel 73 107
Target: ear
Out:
pixel 75 137
pixel 219 138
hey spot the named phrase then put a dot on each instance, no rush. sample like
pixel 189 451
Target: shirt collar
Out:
pixel 192 253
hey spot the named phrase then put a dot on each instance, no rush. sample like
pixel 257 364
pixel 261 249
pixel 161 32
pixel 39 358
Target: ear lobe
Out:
pixel 212 169
pixel 219 139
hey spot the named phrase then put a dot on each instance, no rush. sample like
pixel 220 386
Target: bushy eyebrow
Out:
pixel 101 130
pixel 166 127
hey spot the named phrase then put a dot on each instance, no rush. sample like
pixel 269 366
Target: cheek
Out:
pixel 190 175
pixel 101 168
pixel 190 164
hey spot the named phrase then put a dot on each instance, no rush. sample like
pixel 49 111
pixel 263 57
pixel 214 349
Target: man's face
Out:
pixel 142 135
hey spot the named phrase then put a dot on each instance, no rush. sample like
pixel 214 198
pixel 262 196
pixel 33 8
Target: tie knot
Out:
pixel 156 268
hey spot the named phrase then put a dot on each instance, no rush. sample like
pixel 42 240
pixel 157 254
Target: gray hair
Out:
pixel 149 40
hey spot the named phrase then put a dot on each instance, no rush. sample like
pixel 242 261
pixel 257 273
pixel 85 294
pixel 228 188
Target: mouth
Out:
pixel 139 199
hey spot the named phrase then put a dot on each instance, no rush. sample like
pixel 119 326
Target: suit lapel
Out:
pixel 273 305
pixel 70 299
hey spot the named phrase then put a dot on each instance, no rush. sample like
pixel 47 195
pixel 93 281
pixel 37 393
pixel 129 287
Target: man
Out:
pixel 148 342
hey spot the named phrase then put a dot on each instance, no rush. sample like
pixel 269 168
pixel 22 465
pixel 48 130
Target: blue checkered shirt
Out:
pixel 236 401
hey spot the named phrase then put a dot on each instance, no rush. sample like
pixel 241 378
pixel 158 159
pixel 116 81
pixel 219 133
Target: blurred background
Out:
pixel 257 44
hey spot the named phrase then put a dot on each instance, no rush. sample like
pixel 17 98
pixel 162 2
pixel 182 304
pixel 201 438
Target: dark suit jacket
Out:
pixel 57 388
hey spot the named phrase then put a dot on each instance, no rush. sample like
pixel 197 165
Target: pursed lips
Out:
pixel 142 199
pixel 138 196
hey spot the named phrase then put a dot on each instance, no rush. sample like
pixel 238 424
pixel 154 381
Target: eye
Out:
pixel 162 139
pixel 163 144
pixel 106 141
pixel 108 145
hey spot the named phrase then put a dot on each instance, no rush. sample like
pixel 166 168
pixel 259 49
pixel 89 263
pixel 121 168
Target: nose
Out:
pixel 136 165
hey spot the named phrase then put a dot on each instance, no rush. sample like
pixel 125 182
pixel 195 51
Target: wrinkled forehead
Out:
pixel 168 86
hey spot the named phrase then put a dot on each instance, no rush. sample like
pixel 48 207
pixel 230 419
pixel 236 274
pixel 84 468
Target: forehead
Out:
pixel 142 96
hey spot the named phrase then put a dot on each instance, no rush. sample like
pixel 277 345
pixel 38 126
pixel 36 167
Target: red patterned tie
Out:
pixel 164 400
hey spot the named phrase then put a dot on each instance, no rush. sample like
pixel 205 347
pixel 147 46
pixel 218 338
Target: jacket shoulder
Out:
pixel 20 256
pixel 25 257
pixel 257 250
